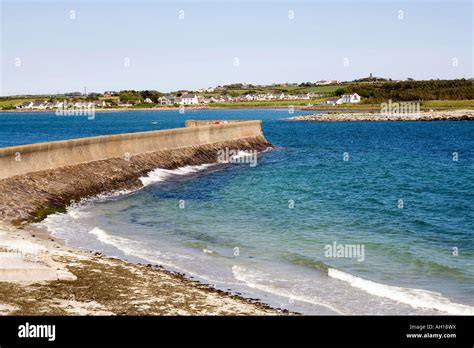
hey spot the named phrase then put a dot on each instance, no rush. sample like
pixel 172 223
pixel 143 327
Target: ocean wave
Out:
pixel 304 261
pixel 416 298
pixel 138 249
pixel 255 278
pixel 123 244
pixel 160 174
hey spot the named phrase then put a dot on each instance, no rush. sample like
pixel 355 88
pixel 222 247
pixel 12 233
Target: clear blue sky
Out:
pixel 57 53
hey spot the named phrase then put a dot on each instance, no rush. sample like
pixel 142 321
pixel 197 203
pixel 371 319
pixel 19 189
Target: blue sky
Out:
pixel 43 50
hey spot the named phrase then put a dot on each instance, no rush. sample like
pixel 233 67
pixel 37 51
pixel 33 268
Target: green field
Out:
pixel 266 104
pixel 10 103
pixel 458 104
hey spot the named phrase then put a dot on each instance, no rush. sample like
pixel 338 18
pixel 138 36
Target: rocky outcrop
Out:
pixel 449 115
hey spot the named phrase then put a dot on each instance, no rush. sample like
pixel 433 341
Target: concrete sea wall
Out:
pixel 19 160
pixel 50 176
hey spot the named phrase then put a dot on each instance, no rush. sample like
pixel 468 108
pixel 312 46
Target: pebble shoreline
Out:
pixel 448 115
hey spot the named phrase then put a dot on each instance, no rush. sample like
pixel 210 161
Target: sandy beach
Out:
pixel 42 276
pixel 445 115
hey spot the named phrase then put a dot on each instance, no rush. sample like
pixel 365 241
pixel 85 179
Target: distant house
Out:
pixel 326 82
pixel 349 99
pixel 109 93
pixel 189 99
pixel 124 104
pixel 169 100
pixel 203 100
pixel 26 105
pixel 39 104
pixel 330 101
pixel 148 100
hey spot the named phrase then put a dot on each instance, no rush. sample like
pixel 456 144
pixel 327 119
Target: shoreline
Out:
pixel 449 115
pixel 90 283
pixel 51 278
pixel 171 108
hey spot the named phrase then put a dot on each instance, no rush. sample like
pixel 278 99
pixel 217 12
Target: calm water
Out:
pixel 263 231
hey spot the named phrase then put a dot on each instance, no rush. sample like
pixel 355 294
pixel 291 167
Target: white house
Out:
pixel 39 104
pixel 26 105
pixel 169 100
pixel 349 99
pixel 189 99
pixel 330 101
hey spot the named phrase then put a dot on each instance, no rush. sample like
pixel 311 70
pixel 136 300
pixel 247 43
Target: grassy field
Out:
pixel 449 104
pixel 10 103
pixel 276 89
pixel 266 104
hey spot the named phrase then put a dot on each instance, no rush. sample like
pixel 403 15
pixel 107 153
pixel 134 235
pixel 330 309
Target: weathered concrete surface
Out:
pixel 18 160
pixel 25 197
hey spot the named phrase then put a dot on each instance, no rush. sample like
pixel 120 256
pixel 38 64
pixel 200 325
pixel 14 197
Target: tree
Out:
pixel 340 91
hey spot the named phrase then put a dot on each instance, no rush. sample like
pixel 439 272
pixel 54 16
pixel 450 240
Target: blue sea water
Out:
pixel 402 191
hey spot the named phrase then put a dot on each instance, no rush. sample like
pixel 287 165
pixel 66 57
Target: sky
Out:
pixel 52 46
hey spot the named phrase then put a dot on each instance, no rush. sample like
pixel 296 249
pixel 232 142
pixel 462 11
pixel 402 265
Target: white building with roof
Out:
pixel 349 99
pixel 189 99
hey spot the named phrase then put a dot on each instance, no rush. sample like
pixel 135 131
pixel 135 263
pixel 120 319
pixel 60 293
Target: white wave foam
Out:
pixel 416 298
pixel 254 278
pixel 160 174
pixel 120 243
pixel 139 249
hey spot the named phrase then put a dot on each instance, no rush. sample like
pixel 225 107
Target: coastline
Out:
pixel 188 107
pixel 449 115
pixel 89 283
pixel 50 278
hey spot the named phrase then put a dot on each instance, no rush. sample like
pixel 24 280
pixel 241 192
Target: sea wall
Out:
pixel 19 160
pixel 97 165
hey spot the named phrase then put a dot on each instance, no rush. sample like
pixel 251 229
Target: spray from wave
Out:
pixel 252 278
pixel 416 298
pixel 160 174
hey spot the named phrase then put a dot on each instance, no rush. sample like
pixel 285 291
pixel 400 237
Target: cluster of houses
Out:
pixel 42 104
pixel 193 99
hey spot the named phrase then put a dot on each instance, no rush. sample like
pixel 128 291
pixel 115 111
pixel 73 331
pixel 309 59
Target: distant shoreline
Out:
pixel 446 115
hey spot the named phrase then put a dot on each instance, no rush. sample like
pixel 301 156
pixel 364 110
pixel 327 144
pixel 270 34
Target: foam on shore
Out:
pixel 416 298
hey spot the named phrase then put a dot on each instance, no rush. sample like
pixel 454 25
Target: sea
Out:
pixel 338 218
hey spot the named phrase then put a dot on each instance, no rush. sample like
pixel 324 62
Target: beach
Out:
pixel 69 281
